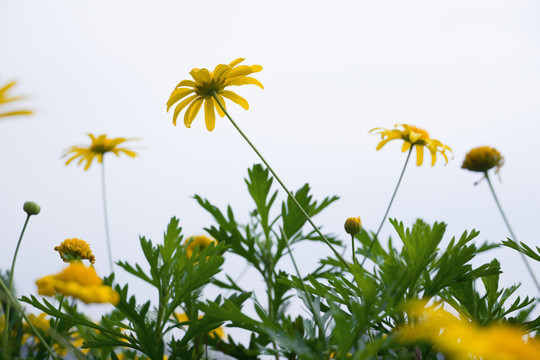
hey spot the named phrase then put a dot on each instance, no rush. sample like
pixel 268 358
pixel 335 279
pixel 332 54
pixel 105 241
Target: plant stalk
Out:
pixel 106 216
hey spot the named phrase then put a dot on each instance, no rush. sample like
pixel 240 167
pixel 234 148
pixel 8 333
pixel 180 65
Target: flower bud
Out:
pixel 483 158
pixel 353 225
pixel 31 208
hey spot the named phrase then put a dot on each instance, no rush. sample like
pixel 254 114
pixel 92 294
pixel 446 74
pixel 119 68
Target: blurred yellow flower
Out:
pixel 75 249
pixel 5 98
pixel 462 339
pixel 205 85
pixel 482 159
pixel 413 136
pixel 80 282
pixel 201 241
pixel 100 146
pixel 217 333
pixel 353 225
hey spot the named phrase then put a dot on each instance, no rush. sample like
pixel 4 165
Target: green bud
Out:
pixel 31 208
pixel 353 225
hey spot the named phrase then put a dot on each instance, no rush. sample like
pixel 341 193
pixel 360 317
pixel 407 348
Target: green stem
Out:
pixel 11 299
pixel 389 205
pixel 355 261
pixel 289 193
pixel 106 216
pixel 56 321
pixel 527 265
pixel 308 294
pixel 10 287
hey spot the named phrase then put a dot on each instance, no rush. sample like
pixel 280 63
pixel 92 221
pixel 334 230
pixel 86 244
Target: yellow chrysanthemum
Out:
pixel 413 136
pixel 75 249
pixel 217 333
pixel 462 339
pixel 100 146
pixel 80 282
pixel 482 159
pixel 5 98
pixel 201 241
pixel 205 85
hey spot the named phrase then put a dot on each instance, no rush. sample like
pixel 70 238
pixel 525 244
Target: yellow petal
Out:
pixel 236 62
pixel 177 95
pixel 419 155
pixel 406 146
pixel 6 87
pixel 236 98
pixel 15 113
pixel 381 144
pixel 221 71
pixel 182 105
pixel 433 158
pixel 192 111
pixel 209 114
pixel 218 108
pixel 246 81
pixel 186 83
pixel 243 71
pixel 200 75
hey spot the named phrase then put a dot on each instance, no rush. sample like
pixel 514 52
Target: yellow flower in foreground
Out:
pixel 217 333
pixel 482 159
pixel 80 282
pixel 462 339
pixel 5 98
pixel 201 241
pixel 75 249
pixel 205 85
pixel 100 146
pixel 413 136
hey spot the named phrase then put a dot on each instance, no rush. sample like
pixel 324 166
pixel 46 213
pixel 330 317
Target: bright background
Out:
pixel 466 71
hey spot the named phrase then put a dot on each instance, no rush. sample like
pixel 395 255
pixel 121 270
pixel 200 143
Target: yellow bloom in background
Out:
pixel 100 146
pixel 482 159
pixel 80 282
pixel 203 87
pixel 413 136
pixel 202 241
pixel 75 249
pixel 462 339
pixel 6 98
pixel 217 333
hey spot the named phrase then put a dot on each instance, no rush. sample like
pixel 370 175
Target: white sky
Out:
pixel 467 71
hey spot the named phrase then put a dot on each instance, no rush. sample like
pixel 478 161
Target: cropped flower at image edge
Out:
pixel 205 85
pixel 415 137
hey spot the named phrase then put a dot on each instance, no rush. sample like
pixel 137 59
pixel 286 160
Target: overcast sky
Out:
pixel 466 71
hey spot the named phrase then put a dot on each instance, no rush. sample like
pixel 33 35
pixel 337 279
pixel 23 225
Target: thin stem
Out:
pixel 106 216
pixel 289 193
pixel 525 261
pixel 308 294
pixel 389 205
pixel 10 285
pixel 56 321
pixel 11 299
pixel 355 261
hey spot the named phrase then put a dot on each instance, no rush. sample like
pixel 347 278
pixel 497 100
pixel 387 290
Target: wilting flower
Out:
pixel 75 249
pixel 217 333
pixel 482 159
pixel 100 146
pixel 5 98
pixel 413 136
pixel 205 85
pixel 201 241
pixel 462 339
pixel 80 282
pixel 353 225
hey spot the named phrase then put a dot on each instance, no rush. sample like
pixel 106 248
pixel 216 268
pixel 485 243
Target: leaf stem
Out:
pixel 389 205
pixel 289 193
pixel 525 261
pixel 106 216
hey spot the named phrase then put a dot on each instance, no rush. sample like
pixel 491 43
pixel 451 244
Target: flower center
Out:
pixel 422 132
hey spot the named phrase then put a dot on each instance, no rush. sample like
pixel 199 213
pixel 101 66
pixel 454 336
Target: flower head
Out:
pixel 75 249
pixel 100 146
pixel 205 85
pixel 201 241
pixel 5 98
pixel 80 282
pixel 413 136
pixel 482 159
pixel 353 225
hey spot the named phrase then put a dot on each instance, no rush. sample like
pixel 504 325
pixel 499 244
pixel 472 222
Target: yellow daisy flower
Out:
pixel 205 85
pixel 5 98
pixel 482 159
pixel 80 282
pixel 413 136
pixel 75 249
pixel 100 146
pixel 202 241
